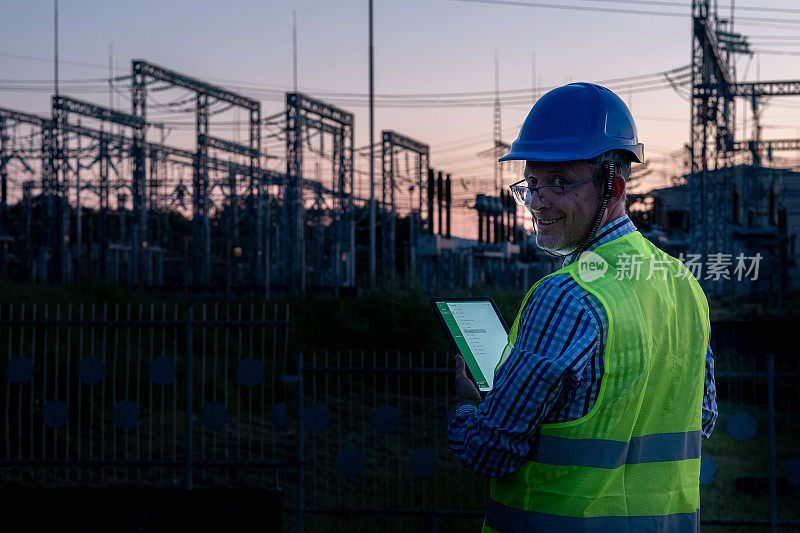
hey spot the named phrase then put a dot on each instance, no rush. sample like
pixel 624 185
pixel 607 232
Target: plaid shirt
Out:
pixel 552 374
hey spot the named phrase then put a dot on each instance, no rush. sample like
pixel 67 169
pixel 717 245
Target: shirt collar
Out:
pixel 610 231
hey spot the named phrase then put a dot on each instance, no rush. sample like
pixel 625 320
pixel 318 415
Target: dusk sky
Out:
pixel 434 58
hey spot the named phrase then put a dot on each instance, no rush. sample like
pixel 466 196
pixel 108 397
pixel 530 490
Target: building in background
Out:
pixel 758 213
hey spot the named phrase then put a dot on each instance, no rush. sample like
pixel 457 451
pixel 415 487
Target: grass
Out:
pixel 395 314
pixel 388 480
pixel 399 317
pixel 453 487
pixel 735 459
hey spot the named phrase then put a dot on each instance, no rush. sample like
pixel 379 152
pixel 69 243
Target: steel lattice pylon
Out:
pixel 391 140
pixel 712 130
pixel 713 146
pixel 205 94
pixel 305 114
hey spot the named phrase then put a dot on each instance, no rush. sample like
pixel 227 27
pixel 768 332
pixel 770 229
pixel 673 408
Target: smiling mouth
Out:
pixel 548 221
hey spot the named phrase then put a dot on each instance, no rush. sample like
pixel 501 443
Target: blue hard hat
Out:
pixel 576 121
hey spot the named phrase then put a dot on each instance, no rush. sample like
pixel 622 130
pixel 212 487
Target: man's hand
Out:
pixel 466 392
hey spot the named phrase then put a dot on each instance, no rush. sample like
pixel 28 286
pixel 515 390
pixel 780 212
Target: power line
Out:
pixel 777 52
pixel 50 60
pixel 101 83
pixel 576 8
pixel 782 25
pixel 683 5
pixel 621 10
pixel 773 43
pixel 767 37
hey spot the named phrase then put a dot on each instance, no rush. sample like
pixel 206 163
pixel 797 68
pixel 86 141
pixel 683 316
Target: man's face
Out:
pixel 562 222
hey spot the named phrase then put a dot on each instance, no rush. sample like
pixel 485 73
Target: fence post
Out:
pixel 300 447
pixel 298 378
pixel 773 493
pixel 430 522
pixel 189 385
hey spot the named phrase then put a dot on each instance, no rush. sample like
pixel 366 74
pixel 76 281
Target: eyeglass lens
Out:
pixel 523 195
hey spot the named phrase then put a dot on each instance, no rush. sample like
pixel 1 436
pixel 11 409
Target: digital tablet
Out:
pixel 477 331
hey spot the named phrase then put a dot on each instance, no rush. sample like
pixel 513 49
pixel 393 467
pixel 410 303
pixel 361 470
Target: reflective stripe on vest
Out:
pixel 507 519
pixel 600 453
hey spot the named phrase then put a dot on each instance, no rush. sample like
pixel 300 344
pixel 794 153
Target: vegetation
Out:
pixel 398 316
pixel 395 315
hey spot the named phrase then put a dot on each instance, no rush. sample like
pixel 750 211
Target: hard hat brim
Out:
pixel 637 151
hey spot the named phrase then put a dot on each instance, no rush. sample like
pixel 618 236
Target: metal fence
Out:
pixel 98 395
pixel 374 448
pixel 376 458
pixel 750 470
pixel 145 395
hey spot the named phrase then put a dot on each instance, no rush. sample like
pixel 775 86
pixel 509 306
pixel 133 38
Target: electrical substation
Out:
pixel 246 202
pixel 97 194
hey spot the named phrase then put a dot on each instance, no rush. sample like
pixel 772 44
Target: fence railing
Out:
pixel 376 458
pixel 374 443
pixel 155 395
pixel 206 396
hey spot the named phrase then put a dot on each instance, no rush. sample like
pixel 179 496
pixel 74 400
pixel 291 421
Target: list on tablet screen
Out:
pixel 479 335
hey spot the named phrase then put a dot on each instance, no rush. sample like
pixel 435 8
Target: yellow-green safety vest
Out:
pixel 632 463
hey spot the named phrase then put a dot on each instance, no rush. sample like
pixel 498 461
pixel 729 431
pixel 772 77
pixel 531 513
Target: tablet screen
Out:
pixel 479 334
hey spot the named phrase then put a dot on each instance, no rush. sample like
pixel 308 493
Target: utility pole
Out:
pixel 497 124
pixel 110 75
pixel 412 258
pixel 499 148
pixel 371 158
pixel 55 44
pixel 294 49
pixel 56 211
pixel 78 226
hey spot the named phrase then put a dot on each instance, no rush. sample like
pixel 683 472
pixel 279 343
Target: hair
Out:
pixel 622 158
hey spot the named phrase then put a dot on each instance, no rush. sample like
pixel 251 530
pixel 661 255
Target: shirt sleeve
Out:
pixel 709 396
pixel 557 337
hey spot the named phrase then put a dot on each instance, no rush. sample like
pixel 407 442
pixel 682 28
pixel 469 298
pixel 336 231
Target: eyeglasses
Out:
pixel 523 195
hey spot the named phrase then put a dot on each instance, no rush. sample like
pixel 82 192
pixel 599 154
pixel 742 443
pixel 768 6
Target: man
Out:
pixel 607 381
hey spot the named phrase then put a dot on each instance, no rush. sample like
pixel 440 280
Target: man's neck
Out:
pixel 607 231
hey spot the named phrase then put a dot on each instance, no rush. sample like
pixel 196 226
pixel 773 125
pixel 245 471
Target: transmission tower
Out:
pixel 713 145
pixel 392 142
pixel 205 95
pixel 303 115
pixel 500 148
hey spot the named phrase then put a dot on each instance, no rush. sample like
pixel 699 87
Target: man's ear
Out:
pixel 618 186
